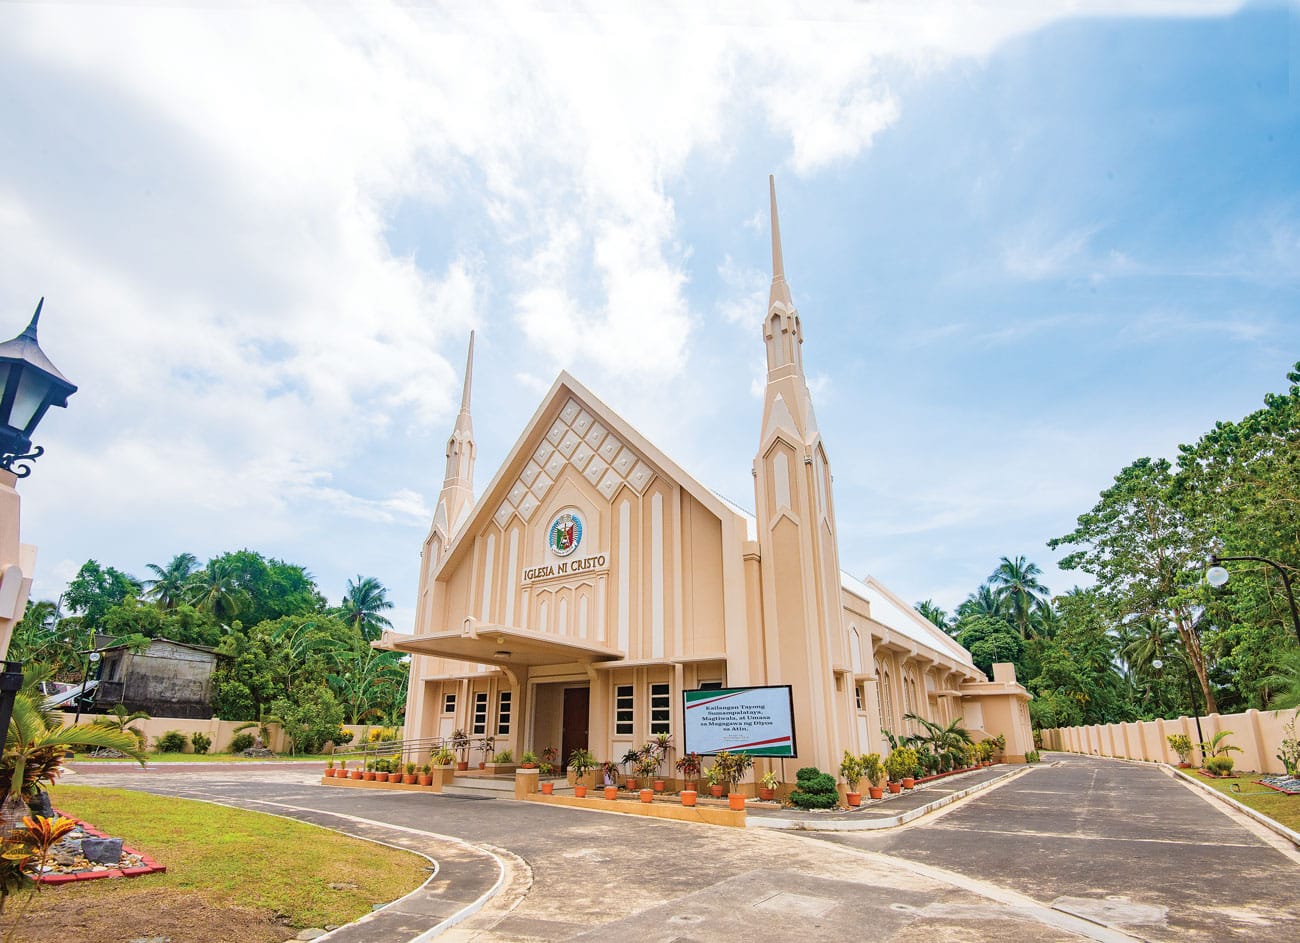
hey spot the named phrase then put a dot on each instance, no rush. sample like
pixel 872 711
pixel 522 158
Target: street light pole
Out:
pixel 1217 576
pixel 92 659
pixel 1196 711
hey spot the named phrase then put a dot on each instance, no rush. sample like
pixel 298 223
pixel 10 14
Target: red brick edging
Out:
pixel 148 867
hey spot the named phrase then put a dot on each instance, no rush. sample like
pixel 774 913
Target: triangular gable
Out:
pixel 572 426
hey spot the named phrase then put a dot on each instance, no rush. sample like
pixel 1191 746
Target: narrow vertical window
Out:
pixel 449 703
pixel 480 713
pixel 660 711
pixel 857 692
pixel 503 713
pixel 623 711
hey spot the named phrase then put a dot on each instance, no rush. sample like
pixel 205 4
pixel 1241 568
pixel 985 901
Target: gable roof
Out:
pixel 893 613
pixel 504 488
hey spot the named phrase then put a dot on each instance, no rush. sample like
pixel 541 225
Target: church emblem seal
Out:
pixel 565 534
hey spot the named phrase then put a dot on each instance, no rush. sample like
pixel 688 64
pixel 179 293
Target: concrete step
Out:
pixel 492 787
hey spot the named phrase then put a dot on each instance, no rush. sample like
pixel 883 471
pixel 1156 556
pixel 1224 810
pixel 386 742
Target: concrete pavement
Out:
pixel 1042 857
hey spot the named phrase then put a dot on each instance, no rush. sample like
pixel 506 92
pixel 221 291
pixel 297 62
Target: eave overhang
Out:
pixel 503 646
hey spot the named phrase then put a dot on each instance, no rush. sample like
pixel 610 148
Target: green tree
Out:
pixel 1016 585
pixel 168 587
pixel 216 589
pixel 983 602
pixel 95 590
pixel 990 640
pixel 310 718
pixel 935 614
pixel 1142 550
pixel 363 605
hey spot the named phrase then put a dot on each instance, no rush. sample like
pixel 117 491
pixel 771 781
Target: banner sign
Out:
pixel 758 721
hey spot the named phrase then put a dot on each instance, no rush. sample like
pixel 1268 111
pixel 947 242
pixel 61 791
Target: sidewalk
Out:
pixel 889 812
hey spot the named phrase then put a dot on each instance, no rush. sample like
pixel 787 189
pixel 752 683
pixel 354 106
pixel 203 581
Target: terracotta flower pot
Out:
pixel 909 782
pixel 875 792
pixel 611 792
pixel 715 791
pixel 381 777
pixel 356 774
pixel 408 779
pixel 659 785
pixel 631 784
pixel 854 799
pixel 461 766
pixel 528 766
pixel 549 788
pixel 329 772
pixel 647 795
pixel 424 779
pixel 369 776
pixel 895 788
pixel 736 801
pixel 767 795
pixel 580 790
pixel 482 764
pixel 689 796
pixel 693 785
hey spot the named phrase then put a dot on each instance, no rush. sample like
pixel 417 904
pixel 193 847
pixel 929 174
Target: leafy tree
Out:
pixel 990 640
pixel 168 586
pixel 310 718
pixel 935 614
pixel 95 590
pixel 216 590
pixel 363 604
pixel 983 602
pixel 1016 585
pixel 1142 549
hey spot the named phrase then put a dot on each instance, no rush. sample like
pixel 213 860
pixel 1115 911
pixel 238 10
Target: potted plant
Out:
pixel 329 769
pixel 546 769
pixel 735 766
pixel 899 764
pixel 1181 744
pixel 609 776
pixel 768 786
pixel 370 772
pixel 528 760
pixel 581 763
pixel 357 773
pixel 486 744
pixel 688 765
pixel 425 776
pixel 629 762
pixel 689 796
pixel 714 776
pixel 874 770
pixel 647 767
pixel 852 768
pixel 382 770
pixel 408 778
pixel 460 743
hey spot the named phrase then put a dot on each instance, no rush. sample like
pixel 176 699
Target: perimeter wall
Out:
pixel 1258 734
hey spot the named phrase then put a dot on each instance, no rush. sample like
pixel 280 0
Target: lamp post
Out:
pixel 1217 576
pixel 92 659
pixel 1157 664
pixel 29 385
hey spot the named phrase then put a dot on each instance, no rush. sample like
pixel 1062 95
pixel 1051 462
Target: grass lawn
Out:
pixel 265 874
pixel 1277 806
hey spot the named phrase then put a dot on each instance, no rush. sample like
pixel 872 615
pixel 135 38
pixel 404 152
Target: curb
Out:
pixel 893 821
pixel 1259 817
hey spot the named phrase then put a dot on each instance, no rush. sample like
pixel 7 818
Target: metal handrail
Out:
pixel 408 750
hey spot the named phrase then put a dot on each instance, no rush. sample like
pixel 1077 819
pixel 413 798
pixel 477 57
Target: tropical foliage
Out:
pixel 277 636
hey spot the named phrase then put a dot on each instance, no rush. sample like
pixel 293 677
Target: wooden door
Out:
pixel 577 715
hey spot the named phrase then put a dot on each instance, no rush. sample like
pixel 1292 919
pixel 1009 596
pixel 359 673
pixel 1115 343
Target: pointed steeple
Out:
pixel 781 331
pixel 458 486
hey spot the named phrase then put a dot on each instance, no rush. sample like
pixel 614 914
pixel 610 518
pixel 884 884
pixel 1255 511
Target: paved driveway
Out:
pixel 1037 859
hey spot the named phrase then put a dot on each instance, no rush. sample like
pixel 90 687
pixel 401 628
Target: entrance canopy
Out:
pixel 502 645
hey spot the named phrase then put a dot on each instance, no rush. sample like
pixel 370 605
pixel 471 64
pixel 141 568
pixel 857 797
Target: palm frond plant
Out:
pixel 34 753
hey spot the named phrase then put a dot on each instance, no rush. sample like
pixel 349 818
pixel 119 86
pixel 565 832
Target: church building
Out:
pixel 594 584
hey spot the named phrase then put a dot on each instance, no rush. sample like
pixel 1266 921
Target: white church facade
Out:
pixel 594 581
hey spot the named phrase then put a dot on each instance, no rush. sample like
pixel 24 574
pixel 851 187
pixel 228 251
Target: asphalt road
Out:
pixel 1079 849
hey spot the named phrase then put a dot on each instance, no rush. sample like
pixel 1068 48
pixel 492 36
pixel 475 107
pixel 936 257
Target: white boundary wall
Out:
pixel 218 731
pixel 1258 734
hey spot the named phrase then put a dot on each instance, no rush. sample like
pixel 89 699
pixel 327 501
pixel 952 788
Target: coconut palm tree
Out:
pixel 1016 583
pixel 215 589
pixel 119 719
pixel 982 602
pixel 935 614
pixel 365 599
pixel 168 588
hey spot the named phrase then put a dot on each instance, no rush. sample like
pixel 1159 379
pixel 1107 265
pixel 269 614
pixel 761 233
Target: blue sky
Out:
pixel 1027 247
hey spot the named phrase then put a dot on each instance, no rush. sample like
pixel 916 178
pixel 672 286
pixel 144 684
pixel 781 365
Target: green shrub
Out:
pixel 201 743
pixel 1032 757
pixel 173 741
pixel 311 718
pixel 505 756
pixel 1219 765
pixel 241 742
pixel 814 789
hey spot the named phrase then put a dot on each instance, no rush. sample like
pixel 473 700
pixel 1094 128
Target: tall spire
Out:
pixel 457 495
pixel 469 376
pixel 780 290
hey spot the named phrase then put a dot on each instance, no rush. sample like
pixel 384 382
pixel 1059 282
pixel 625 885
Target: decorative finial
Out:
pixel 31 328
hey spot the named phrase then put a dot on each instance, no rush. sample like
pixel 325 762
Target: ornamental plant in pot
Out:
pixel 647 767
pixel 713 775
pixel 545 770
pixel 581 763
pixel 425 775
pixel 329 769
pixel 874 770
pixel 899 765
pixel 688 765
pixel 370 772
pixel 381 771
pixel 460 743
pixel 409 777
pixel 609 777
pixel 735 766
pixel 629 762
pixel 1181 744
pixel 357 773
pixel 528 760
pixel 852 768
pixel 768 786
pixel 487 745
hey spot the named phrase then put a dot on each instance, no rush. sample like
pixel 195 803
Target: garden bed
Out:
pixel 66 863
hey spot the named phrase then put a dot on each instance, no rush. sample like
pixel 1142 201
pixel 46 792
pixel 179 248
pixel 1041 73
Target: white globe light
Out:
pixel 1157 664
pixel 1216 576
